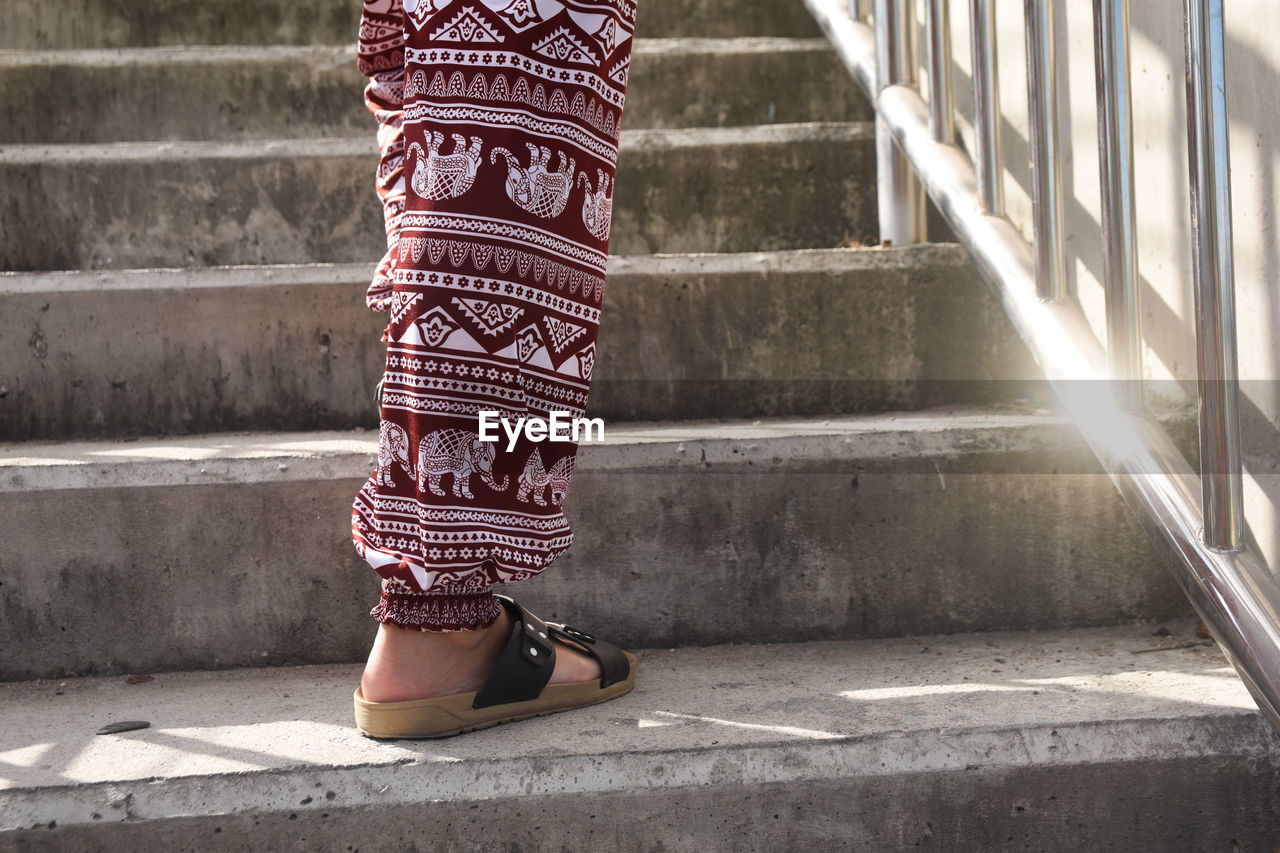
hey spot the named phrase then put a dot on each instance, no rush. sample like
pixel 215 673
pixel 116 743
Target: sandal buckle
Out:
pixel 577 635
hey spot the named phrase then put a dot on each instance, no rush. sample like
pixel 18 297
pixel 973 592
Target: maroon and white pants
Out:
pixel 498 129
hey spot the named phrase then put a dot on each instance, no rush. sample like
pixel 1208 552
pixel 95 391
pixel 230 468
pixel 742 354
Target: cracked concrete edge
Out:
pixel 1233 734
pixel 346 275
pixel 65 24
pixel 641 139
pixel 287 457
pixel 327 55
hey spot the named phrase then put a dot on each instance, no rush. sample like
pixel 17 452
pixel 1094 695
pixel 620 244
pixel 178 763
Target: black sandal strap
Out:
pixel 526 663
pixel 614 666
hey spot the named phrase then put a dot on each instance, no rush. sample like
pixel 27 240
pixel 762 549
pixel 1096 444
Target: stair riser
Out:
pixel 287 205
pixel 181 361
pixel 31 24
pixel 317 92
pixel 1186 804
pixel 925 536
pixel 675 343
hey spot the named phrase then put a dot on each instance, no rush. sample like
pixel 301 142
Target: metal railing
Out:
pixel 1194 518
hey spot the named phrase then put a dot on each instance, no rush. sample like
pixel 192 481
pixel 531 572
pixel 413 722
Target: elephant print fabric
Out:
pixel 498 125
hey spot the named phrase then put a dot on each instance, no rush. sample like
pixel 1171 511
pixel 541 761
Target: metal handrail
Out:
pixel 900 197
pixel 1194 518
pixel 1119 218
pixel 988 152
pixel 1210 168
pixel 1046 188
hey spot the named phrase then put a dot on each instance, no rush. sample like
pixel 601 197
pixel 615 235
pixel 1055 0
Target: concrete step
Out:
pixel 1056 741
pixel 60 24
pixel 233 550
pixel 130 205
pixel 101 354
pixel 230 93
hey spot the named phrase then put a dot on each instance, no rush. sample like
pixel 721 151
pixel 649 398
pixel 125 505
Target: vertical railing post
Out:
pixel 1115 161
pixel 986 105
pixel 938 32
pixel 1214 275
pixel 1046 175
pixel 900 194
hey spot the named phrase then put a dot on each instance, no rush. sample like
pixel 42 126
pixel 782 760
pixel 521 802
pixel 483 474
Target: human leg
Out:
pixel 500 113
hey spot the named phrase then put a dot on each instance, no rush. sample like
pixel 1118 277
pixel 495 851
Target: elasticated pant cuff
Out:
pixel 438 610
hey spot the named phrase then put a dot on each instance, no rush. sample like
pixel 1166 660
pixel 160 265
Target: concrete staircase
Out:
pixel 907 609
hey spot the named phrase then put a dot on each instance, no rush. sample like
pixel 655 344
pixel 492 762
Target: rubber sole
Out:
pixel 445 716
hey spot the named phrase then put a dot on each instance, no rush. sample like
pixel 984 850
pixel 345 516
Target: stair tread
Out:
pixel 281 201
pixel 676 263
pixel 199 54
pixel 248 358
pixel 108 24
pixel 281 739
pixel 336 454
pixel 952 519
pixel 344 146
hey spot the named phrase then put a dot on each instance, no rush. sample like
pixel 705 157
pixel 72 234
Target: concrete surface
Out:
pixel 130 205
pixel 145 555
pixel 699 82
pixel 1137 806
pixel 965 738
pixel 103 354
pixel 231 550
pixel 230 93
pixel 35 24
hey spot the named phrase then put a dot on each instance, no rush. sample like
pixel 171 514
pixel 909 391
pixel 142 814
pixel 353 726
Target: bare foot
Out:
pixel 406 664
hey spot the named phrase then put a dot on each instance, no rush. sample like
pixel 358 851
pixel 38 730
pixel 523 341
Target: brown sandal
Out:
pixel 516 689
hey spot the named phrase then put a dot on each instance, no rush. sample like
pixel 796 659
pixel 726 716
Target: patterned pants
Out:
pixel 498 129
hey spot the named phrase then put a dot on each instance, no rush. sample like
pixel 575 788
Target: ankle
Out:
pixel 412 643
pixel 409 664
